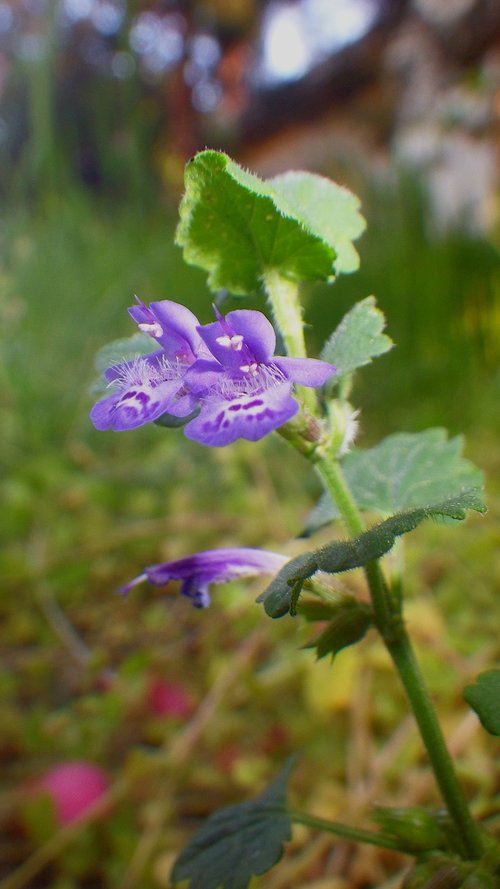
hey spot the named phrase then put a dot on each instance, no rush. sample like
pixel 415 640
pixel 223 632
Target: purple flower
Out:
pixel 227 369
pixel 153 384
pixel 244 389
pixel 200 570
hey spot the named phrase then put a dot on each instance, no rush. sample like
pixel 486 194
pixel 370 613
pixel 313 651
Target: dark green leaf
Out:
pixel 347 626
pixel 357 339
pixel 237 226
pixel 281 595
pixel 238 842
pixel 484 698
pixel 404 470
pixel 316 610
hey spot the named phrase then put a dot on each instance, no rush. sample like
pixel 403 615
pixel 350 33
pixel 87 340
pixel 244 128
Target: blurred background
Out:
pixel 101 104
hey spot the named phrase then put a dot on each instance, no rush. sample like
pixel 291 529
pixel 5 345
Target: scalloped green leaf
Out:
pixel 484 698
pixel 358 338
pixel 329 209
pixel 238 842
pixel 281 596
pixel 404 470
pixel 237 227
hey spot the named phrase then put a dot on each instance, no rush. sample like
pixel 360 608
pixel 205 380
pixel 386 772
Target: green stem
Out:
pixel 389 622
pixel 333 480
pixel 403 656
pixel 283 297
pixel 343 830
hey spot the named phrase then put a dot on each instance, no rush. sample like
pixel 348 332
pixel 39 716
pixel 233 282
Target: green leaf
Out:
pixel 239 841
pixel 357 339
pixel 348 625
pixel 119 351
pixel 404 470
pixel 328 209
pixel 484 698
pixel 282 594
pixel 237 226
pixel 317 610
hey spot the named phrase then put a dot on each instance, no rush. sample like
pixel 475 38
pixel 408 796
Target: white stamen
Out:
pixel 249 368
pixel 263 377
pixel 230 342
pixel 155 329
pixel 140 373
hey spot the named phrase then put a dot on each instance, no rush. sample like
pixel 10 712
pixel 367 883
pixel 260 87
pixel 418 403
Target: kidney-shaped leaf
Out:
pixel 237 226
pixel 238 842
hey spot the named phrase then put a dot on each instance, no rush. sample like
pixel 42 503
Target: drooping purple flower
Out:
pixel 152 385
pixel 244 389
pixel 199 571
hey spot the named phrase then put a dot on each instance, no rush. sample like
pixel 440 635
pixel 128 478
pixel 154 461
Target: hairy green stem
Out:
pixel 403 656
pixel 389 622
pixel 283 297
pixel 343 830
pixel 333 480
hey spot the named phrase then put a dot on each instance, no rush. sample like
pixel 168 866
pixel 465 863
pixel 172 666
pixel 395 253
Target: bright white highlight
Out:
pixel 298 36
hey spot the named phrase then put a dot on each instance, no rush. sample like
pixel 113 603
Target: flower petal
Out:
pixel 134 406
pixel 305 371
pixel 172 325
pixel 221 421
pixel 257 331
pixel 203 375
pixel 201 569
pixel 242 337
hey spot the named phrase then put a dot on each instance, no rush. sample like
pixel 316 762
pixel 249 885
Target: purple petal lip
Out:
pixel 134 407
pixel 305 371
pixel 201 569
pixel 252 416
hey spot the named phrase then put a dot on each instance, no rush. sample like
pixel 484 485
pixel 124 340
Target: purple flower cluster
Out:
pixel 222 377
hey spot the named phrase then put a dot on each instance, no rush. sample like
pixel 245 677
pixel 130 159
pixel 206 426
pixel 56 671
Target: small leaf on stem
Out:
pixel 357 339
pixel 281 595
pixel 484 698
pixel 405 470
pixel 348 625
pixel 239 841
